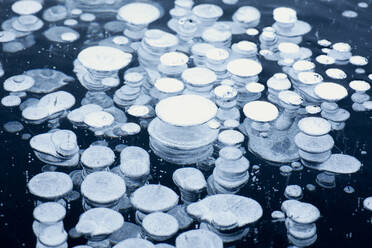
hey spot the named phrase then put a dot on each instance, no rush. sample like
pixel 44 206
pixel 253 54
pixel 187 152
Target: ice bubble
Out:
pixel 160 226
pixel 13 127
pixel 53 236
pixel 98 119
pixel 99 221
pixel 367 203
pixel 358 60
pixel 134 243
pixel 26 7
pixel 27 23
pixel 293 192
pixel 194 239
pixel 349 14
pixel 55 13
pixel 77 116
pixel 18 83
pixel 103 187
pixel 61 34
pixel 47 80
pixel 50 185
pixel 336 73
pixel 151 198
pixel 11 101
pixel 325 59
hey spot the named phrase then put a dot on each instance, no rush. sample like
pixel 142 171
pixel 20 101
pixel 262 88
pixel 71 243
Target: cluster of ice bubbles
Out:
pixel 189 91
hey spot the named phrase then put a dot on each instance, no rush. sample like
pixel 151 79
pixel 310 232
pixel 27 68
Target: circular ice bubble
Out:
pixel 131 128
pixel 174 59
pixel 55 13
pixel 186 110
pixel 139 13
pixel 99 221
pixel 160 226
pixel 289 49
pixel 285 170
pixel 18 83
pixel 314 126
pixel 53 236
pixel 216 55
pixel 27 23
pixel 244 67
pixel 261 111
pixel 138 110
pixel 312 109
pixel 277 215
pixel 69 36
pixel 363 5
pixel 359 85
pixel 230 137
pixel 336 73
pixel 154 197
pixel 50 185
pixel 207 11
pixel 325 59
pixel 293 192
pixel 26 7
pixel 103 58
pixel 279 82
pixel 7 36
pixel 110 81
pixel 310 78
pixel 11 101
pixel 330 91
pixel 169 85
pixel 76 12
pixel 120 40
pixel 199 76
pixel 341 47
pixel 97 157
pixel 13 126
pixel 254 87
pixel 349 14
pixel 49 212
pixel 247 16
pixel 70 22
pixel 225 92
pixel 194 238
pixel 35 113
pixel 61 34
pixel 114 26
pixel 303 65
pixel 134 162
pixel 252 32
pixel 189 179
pixel 231 124
pixel 290 97
pixel 367 203
pixel 103 187
pixel 300 212
pixel 201 49
pixel 358 60
pixel 349 189
pixel 87 17
pixel 285 15
pixel 134 243
pixel 324 43
pixel 98 119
